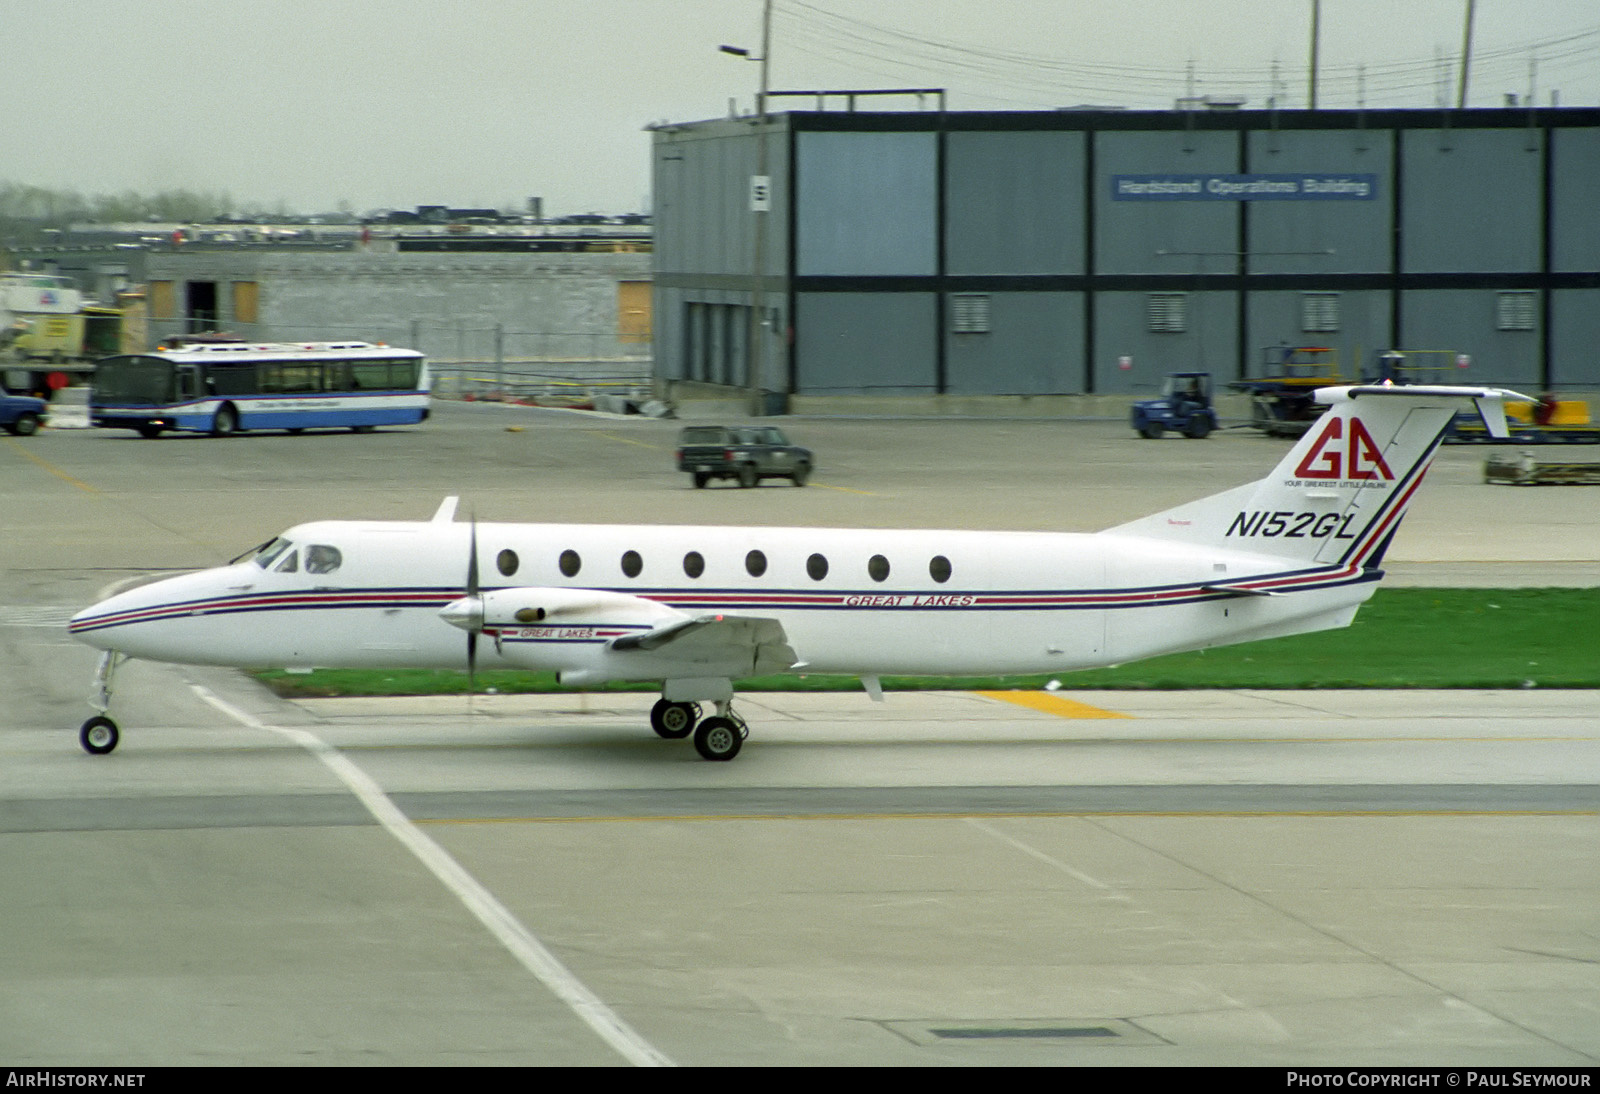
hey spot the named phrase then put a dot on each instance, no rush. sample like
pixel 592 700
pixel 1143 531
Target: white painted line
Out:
pixel 1034 852
pixel 524 946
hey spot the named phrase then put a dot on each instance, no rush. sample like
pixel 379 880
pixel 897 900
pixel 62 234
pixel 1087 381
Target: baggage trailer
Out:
pixel 1524 469
pixel 1282 399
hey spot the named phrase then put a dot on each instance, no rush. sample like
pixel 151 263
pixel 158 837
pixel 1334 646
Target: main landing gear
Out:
pixel 99 735
pixel 717 738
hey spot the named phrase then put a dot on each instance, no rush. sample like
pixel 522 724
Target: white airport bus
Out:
pixel 225 387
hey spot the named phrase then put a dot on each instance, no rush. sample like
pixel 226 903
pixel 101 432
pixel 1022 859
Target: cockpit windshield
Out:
pixel 270 551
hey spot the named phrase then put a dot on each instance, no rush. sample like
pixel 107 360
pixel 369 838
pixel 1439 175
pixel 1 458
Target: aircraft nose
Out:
pixel 96 624
pixel 466 613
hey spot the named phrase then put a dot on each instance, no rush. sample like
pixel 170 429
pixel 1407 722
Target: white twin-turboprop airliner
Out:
pixel 697 608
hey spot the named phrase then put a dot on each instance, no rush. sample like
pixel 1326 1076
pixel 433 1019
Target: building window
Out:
pixel 1319 312
pixel 969 313
pixel 1168 312
pixel 1517 311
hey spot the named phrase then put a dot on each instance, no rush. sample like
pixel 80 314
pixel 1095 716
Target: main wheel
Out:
pixel 747 475
pixel 226 423
pixel 673 720
pixel 718 739
pixel 99 735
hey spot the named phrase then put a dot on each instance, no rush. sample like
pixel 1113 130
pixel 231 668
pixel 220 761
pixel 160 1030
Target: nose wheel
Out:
pixel 99 735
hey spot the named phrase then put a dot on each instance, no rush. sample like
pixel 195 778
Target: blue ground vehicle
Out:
pixel 21 415
pixel 1184 406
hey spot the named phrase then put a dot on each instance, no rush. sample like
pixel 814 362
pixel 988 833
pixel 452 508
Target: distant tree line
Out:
pixel 24 207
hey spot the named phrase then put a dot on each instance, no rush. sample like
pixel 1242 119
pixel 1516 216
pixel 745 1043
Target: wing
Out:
pixel 717 639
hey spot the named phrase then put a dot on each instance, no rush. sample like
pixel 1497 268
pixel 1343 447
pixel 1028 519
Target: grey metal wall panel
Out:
pixel 1164 237
pixel 1034 347
pixel 1276 320
pixel 667 333
pixel 1574 338
pixel 1014 203
pixel 1575 200
pixel 1463 321
pixel 866 204
pixel 701 204
pixel 1211 343
pixel 1322 237
pixel 865 343
pixel 1470 200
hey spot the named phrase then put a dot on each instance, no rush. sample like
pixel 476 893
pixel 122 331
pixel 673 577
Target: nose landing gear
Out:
pixel 99 735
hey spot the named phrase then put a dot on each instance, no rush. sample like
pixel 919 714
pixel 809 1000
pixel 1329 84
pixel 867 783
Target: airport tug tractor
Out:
pixel 1184 407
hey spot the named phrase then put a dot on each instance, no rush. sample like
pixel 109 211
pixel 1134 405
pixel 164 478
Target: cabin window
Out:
pixel 570 563
pixel 939 569
pixel 755 563
pixel 507 562
pixel 322 559
pixel 632 563
pixel 694 564
pixel 817 567
pixel 878 568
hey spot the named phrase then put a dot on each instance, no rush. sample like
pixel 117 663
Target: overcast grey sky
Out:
pixel 392 103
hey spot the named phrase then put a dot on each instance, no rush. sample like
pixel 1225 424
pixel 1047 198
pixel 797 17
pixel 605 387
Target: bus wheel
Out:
pixel 226 423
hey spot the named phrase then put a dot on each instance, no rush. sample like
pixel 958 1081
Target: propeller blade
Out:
pixel 476 596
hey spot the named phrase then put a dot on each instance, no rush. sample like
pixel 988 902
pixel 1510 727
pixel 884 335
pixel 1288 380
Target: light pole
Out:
pixel 760 203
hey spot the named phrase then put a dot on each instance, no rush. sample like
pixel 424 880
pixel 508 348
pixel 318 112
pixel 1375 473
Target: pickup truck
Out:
pixel 21 415
pixel 746 453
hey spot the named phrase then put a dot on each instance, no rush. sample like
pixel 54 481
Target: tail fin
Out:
pixel 1339 495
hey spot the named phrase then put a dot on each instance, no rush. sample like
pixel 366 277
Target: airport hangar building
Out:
pixel 1093 251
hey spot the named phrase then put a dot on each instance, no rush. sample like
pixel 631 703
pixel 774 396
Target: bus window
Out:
pixel 299 379
pixel 233 378
pixel 403 374
pixel 371 375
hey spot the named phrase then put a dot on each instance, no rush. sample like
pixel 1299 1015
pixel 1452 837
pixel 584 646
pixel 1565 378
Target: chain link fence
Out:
pixel 480 361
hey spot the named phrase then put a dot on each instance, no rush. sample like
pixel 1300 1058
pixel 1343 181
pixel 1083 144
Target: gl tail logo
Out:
pixel 1357 459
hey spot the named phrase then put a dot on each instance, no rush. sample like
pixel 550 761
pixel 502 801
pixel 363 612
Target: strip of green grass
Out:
pixel 1403 638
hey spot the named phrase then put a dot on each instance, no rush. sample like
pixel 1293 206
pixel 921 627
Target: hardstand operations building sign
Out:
pixel 1303 187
